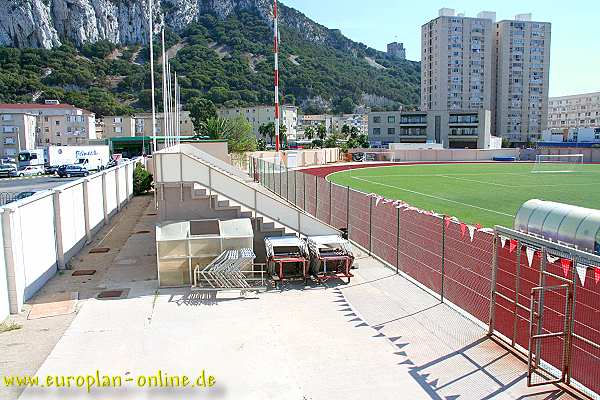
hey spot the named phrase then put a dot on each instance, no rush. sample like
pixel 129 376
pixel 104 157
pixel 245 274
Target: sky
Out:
pixel 575 46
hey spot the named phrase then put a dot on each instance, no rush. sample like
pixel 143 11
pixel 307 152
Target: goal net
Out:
pixel 557 163
pixel 373 156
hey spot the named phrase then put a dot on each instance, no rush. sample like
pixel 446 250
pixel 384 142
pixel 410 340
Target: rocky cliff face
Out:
pixel 43 23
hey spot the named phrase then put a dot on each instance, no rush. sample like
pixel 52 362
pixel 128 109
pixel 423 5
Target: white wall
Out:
pixel 42 232
pixel 4 307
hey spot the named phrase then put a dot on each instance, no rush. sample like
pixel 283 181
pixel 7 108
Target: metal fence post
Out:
pixel 348 210
pixel 280 175
pixel 330 202
pixel 443 256
pixel 295 187
pixel 398 240
pixel 517 288
pixel 304 191
pixel 316 196
pixel 370 225
pixel 493 286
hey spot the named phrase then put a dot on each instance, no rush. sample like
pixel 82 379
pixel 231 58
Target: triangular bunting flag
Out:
pixel 377 200
pixel 503 241
pixel 447 220
pixel 471 231
pixel 371 195
pixel 566 266
pixel 551 259
pixel 478 226
pixel 512 245
pixel 386 201
pixel 463 229
pixel 582 272
pixel 530 254
pixel 597 274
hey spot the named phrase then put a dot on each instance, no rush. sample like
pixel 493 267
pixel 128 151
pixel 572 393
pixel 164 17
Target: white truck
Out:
pixel 91 158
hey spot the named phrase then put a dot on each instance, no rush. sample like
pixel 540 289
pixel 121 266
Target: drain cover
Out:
pixel 99 250
pixel 81 272
pixel 110 294
pixel 142 231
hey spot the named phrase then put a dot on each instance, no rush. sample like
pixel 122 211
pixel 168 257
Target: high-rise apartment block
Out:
pixel 521 79
pixel 480 64
pixel 456 63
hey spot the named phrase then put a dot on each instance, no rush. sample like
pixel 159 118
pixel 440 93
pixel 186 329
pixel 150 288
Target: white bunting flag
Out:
pixel 377 200
pixel 530 253
pixel 581 272
pixel 471 231
pixel 386 201
pixel 503 240
pixel 551 259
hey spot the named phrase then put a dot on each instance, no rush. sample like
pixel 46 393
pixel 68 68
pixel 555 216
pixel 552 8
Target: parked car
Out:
pixel 51 169
pixel 72 170
pixel 5 170
pixel 111 163
pixel 30 170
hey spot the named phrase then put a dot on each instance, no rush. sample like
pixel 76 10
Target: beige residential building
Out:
pixel 314 121
pixel 456 62
pixel 58 124
pixel 452 129
pixel 141 125
pixel 575 111
pixel 521 78
pixel 18 133
pixel 359 121
pixel 262 114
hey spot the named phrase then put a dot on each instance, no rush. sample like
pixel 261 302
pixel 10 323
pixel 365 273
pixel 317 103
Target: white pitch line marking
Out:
pixel 434 197
pixel 476 181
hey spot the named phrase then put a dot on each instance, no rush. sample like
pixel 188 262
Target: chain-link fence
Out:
pixel 456 262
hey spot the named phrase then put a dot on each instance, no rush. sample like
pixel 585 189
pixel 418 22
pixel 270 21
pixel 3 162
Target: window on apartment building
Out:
pixel 377 120
pixel 391 119
pixel 117 120
pixel 57 123
pixel 376 131
pixel 7 117
pixel 45 119
pixel 391 131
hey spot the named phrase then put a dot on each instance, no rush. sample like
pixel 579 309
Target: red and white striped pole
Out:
pixel 276 50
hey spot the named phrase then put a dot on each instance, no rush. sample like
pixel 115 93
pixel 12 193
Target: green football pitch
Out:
pixel 485 193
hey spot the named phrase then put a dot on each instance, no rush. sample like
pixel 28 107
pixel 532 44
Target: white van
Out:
pixel 91 163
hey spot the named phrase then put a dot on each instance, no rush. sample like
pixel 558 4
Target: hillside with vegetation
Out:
pixel 226 60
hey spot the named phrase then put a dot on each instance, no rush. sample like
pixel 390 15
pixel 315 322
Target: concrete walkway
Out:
pixel 380 337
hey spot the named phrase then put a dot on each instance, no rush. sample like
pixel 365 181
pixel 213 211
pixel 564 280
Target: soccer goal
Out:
pixel 557 163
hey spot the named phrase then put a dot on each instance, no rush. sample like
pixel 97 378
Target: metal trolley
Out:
pixel 287 258
pixel 330 257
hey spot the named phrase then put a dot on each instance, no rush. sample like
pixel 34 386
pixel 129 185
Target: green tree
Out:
pixel 142 180
pixel 321 131
pixel 215 128
pixel 347 105
pixel 345 130
pixel 269 130
pixel 309 132
pixel 240 138
pixel 201 110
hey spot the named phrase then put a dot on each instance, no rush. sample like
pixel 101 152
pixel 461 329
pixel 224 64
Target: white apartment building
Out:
pixel 456 62
pixel 262 115
pixel 57 124
pixel 478 64
pixel 17 132
pixel 575 111
pixel 521 79
pixel 335 123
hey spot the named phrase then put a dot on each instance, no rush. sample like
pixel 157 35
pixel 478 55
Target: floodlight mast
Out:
pixel 276 52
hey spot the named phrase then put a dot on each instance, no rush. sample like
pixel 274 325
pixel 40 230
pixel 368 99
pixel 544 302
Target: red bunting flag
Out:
pixel 566 265
pixel 512 245
pixel 463 229
pixel 447 220
pixel 597 274
pixel 478 226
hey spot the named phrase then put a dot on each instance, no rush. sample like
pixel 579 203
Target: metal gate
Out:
pixel 549 333
pixel 541 308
